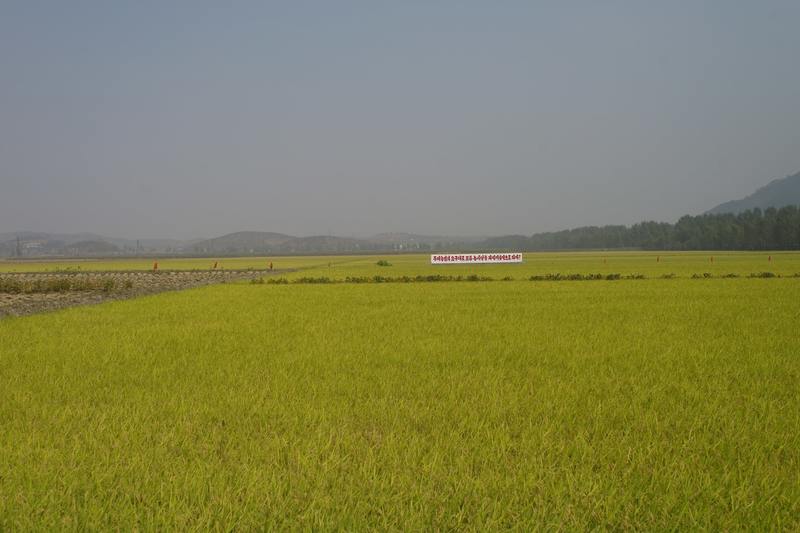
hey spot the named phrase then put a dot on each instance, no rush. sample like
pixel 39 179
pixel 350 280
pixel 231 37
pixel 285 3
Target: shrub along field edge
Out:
pixel 474 277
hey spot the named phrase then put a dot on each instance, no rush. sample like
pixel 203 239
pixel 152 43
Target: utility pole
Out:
pixel 19 247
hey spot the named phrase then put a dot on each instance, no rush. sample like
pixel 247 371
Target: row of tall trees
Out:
pixel 770 229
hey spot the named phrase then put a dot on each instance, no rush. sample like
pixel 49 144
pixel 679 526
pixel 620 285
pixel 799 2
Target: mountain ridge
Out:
pixel 777 193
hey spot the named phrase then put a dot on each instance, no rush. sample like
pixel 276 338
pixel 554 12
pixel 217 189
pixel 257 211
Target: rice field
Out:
pixel 539 263
pixel 147 264
pixel 683 264
pixel 629 404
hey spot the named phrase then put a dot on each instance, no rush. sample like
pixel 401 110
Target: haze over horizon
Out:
pixel 472 118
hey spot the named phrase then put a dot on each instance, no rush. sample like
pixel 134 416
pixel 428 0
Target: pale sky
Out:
pixel 189 119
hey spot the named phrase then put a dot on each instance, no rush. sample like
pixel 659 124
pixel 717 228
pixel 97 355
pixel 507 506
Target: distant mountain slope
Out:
pixel 37 243
pixel 777 193
pixel 90 248
pixel 254 241
pixel 323 243
pixel 404 238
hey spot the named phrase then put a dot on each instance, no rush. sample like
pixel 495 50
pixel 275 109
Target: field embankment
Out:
pixel 31 292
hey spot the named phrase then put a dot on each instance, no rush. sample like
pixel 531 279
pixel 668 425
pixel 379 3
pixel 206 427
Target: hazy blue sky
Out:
pixel 193 119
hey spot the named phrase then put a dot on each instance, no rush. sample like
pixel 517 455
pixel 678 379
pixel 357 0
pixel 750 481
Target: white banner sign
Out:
pixel 463 259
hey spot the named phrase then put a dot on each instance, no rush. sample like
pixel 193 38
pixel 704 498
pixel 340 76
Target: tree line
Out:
pixel 770 229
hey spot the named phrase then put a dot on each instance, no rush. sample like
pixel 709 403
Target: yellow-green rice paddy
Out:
pixel 645 404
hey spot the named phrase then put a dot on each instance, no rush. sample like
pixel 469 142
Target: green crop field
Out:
pixel 683 264
pixel 133 264
pixel 629 404
pixel 337 267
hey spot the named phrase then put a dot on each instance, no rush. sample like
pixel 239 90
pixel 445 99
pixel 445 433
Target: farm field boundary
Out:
pixel 28 293
pixel 474 277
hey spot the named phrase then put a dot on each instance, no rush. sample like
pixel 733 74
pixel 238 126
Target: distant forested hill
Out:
pixel 777 193
pixel 770 229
